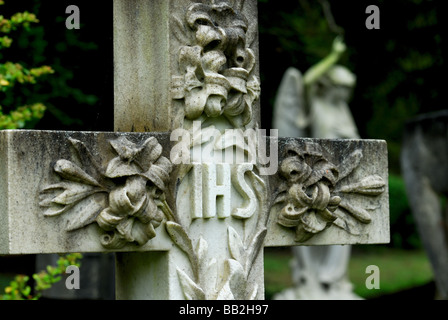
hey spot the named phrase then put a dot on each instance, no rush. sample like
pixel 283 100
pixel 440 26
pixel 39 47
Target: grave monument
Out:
pixel 188 190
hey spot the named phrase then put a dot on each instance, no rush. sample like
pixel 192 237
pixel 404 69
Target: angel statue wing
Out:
pixel 289 115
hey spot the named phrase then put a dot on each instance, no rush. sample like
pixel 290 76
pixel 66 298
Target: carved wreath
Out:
pixel 126 200
pixel 312 192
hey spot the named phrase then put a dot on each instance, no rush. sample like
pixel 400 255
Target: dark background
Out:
pixel 400 68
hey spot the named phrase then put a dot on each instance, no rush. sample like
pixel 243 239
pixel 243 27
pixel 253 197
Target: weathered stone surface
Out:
pixel 424 164
pixel 29 161
pixel 359 180
pixel 157 46
pixel 51 204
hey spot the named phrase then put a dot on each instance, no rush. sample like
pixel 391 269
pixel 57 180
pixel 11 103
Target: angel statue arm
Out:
pixel 319 69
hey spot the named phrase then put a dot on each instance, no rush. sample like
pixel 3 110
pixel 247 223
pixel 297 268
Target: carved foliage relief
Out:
pixel 313 191
pixel 216 63
pixel 126 198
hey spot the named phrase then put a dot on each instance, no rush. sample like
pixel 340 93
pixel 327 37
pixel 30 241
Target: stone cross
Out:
pixel 188 190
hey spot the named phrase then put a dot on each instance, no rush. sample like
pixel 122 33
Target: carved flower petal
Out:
pixel 124 228
pixel 130 198
pixel 195 101
pixel 312 222
pixel 178 87
pixel 293 213
pixel 190 56
pixel 322 197
pixel 322 169
pixel 295 170
pixel 107 220
pixel 372 186
pixel 300 198
pixel 142 232
pixel 235 105
pixel 151 150
pixel 254 88
pixel 118 168
pixel 124 148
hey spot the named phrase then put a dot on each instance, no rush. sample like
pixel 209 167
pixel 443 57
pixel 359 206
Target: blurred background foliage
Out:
pixel 400 68
pixel 81 85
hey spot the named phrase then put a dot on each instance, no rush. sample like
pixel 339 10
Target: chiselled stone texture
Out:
pixel 92 191
pixel 195 58
pixel 82 191
pixel 329 192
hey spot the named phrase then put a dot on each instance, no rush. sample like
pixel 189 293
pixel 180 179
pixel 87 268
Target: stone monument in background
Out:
pixel 424 166
pixel 316 105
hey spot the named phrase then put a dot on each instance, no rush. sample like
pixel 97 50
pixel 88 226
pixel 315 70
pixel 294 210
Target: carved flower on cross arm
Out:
pixel 312 192
pixel 216 65
pixel 126 200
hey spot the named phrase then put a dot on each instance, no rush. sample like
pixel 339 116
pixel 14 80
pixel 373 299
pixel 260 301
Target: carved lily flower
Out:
pixel 132 215
pixel 309 207
pixel 312 193
pixel 216 66
pixel 133 212
pixel 126 199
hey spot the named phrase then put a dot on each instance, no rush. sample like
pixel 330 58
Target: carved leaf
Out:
pixel 56 210
pixel 87 160
pixel 350 164
pixel 259 186
pixel 358 213
pixel 346 224
pixel 72 192
pixel 236 279
pixel 254 248
pixel 201 252
pixel 59 202
pixel 253 294
pixel 371 186
pixel 211 277
pixel 183 241
pixel 90 210
pixel 190 289
pixel 180 237
pixel 72 172
pixel 236 246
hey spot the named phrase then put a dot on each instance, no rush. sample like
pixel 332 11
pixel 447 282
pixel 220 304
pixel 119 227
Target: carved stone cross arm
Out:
pixel 89 192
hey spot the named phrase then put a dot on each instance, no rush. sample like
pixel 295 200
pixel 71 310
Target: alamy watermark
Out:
pixel 373 280
pixel 373 20
pixel 73 280
pixel 73 20
pixel 232 146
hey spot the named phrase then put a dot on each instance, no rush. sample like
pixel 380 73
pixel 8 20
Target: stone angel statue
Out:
pixel 316 105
